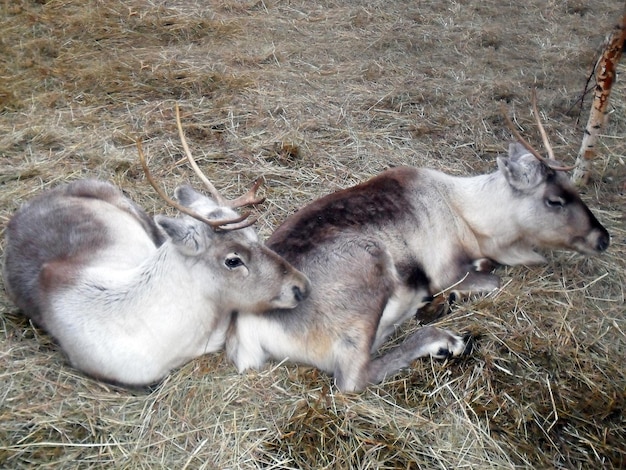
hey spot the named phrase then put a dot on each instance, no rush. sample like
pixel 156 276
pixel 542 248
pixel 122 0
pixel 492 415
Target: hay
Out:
pixel 316 96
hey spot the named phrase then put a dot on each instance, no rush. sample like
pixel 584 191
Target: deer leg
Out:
pixel 484 265
pixel 352 376
pixel 427 341
pixel 475 282
pixel 437 308
pixel 352 346
pixel 352 353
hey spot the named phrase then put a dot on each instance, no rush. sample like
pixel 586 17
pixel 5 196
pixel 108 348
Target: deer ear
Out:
pixel 195 200
pixel 187 235
pixel 186 195
pixel 516 150
pixel 521 174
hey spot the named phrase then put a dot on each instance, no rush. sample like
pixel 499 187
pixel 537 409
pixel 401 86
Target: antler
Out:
pixel 219 224
pixel 549 162
pixel 248 199
pixel 542 131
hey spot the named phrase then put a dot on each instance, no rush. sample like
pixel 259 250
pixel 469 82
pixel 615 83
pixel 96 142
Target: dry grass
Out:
pixel 318 95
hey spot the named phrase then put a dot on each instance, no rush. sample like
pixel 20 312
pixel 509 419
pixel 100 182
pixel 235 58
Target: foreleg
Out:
pixel 427 341
pixel 475 282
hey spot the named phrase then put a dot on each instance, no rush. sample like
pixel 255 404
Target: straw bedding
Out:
pixel 316 96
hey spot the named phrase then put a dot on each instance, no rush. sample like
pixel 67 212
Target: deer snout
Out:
pixel 292 292
pixel 301 291
pixel 596 241
pixel 298 294
pixel 603 241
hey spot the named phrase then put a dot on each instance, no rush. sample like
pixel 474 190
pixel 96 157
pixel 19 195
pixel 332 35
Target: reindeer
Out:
pixel 129 298
pixel 377 252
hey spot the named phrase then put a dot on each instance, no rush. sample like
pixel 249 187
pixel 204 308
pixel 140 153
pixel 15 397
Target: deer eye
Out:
pixel 233 261
pixel 555 202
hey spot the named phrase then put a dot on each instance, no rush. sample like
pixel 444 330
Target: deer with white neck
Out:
pixel 129 298
pixel 377 252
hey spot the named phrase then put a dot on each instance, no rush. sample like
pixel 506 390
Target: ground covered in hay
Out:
pixel 316 96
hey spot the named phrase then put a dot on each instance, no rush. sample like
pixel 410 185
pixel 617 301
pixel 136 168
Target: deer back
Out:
pixel 76 224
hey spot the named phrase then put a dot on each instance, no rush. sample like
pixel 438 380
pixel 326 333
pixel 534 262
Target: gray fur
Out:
pixel 377 252
pixel 129 299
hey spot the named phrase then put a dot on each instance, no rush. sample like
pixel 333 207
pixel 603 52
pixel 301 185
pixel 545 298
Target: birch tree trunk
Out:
pixel 604 71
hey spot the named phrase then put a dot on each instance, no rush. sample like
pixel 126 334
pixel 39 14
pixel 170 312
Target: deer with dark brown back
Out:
pixel 129 298
pixel 377 252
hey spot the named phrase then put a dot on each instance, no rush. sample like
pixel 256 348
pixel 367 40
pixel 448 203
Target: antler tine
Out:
pixel 542 131
pixel 526 145
pixel 243 223
pixel 219 224
pixel 250 198
pixel 212 189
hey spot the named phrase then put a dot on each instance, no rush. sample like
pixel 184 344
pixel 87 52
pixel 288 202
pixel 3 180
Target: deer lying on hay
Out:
pixel 377 252
pixel 129 299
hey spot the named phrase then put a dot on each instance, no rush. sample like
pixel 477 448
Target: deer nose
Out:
pixel 298 294
pixel 603 241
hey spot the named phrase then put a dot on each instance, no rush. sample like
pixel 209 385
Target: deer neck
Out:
pixel 484 202
pixel 153 284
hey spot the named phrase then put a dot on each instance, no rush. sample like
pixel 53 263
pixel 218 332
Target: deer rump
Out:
pixel 376 253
